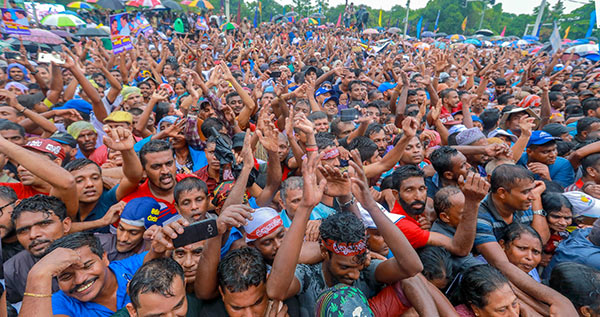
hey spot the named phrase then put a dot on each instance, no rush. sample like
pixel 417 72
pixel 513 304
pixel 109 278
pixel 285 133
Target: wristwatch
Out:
pixel 540 212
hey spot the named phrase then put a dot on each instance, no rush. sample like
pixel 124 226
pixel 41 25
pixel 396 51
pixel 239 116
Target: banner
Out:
pixel 555 39
pixel 435 28
pixel 567 32
pixel 339 22
pixel 15 21
pixel 464 24
pixel 380 17
pixel 120 33
pixel 140 25
pixel 503 30
pixel 592 23
pixel 201 24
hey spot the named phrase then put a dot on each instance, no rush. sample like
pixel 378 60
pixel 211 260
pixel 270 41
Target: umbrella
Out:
pixel 111 4
pixel 475 42
pixel 531 38
pixel 41 36
pixel 143 3
pixel 62 33
pixel 428 34
pixel 421 46
pixel 456 37
pixel 485 32
pixel 29 46
pixel 441 34
pixel 199 4
pixel 318 16
pixel 583 49
pixel 291 14
pixel 62 20
pixel 277 17
pixel 80 5
pixel 228 26
pixel 393 30
pixel 170 4
pixel 593 57
pixel 92 32
pixel 370 31
pixel 91 1
pixel 487 43
pixel 310 21
pixel 322 26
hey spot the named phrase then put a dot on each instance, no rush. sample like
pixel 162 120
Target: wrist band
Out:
pixel 21 111
pixel 48 103
pixel 312 149
pixel 37 295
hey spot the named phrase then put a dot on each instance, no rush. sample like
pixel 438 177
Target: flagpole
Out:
pixel 227 9
pixel 538 20
pixel 482 14
pixel 406 21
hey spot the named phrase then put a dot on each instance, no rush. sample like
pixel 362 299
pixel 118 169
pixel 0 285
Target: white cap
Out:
pixel 583 204
pixel 368 221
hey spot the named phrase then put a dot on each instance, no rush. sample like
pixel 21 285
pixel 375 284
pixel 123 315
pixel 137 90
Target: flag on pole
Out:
pixel 555 39
pixel 435 28
pixel 592 23
pixel 503 30
pixel 260 8
pixel 567 32
pixel 464 24
pixel 419 27
pixel 339 22
pixel 426 27
pixel 380 11
pixel 255 18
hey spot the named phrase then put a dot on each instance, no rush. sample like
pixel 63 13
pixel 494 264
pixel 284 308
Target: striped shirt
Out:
pixel 490 225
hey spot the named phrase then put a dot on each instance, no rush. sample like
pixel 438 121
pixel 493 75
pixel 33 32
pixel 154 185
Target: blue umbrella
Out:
pixel 475 42
pixel 531 38
pixel 427 34
pixel 592 57
pixel 440 45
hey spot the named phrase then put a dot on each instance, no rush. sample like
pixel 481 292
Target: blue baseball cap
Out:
pixel 539 137
pixel 321 91
pixel 142 212
pixel 386 86
pixel 335 98
pixel 77 104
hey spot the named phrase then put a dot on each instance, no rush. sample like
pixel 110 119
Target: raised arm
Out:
pixel 282 283
pixel 268 136
pixel 90 91
pixel 62 182
pixel 120 139
pixel 115 85
pixel 409 127
pixel 48 127
pixel 250 105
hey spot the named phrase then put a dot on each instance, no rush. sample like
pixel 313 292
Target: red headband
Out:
pixel 345 249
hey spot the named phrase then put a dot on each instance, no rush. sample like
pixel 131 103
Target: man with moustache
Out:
pixel 409 181
pixel 157 158
pixel 10 245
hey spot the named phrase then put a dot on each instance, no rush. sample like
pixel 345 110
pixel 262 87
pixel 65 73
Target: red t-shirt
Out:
pixel 167 208
pixel 410 227
pixel 23 191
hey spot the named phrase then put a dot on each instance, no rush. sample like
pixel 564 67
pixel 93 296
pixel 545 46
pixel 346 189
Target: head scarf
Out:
pixel 19 66
pixel 75 128
pixel 169 119
pixel 20 86
pixel 127 91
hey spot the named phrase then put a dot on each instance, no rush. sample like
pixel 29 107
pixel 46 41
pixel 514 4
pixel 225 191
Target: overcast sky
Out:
pixel 512 6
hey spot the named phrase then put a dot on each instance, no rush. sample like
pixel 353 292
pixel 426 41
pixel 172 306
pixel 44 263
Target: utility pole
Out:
pixel 406 20
pixel 538 20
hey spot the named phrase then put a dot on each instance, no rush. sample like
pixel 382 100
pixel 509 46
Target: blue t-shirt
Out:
pixel 561 171
pixel 491 227
pixel 106 200
pixel 576 248
pixel 287 222
pixel 123 270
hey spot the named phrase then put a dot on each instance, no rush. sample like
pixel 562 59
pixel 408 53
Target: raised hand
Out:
pixel 338 182
pixel 162 239
pixel 53 263
pixel 268 135
pixel 313 190
pixel 113 213
pixel 410 127
pixel 118 139
pixel 526 124
pixel 234 216
pixel 246 153
pixel 474 187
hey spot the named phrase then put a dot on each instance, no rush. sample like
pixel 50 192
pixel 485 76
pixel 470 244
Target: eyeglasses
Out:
pixel 2 208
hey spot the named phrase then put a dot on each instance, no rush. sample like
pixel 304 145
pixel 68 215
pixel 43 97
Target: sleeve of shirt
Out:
pixel 301 273
pixel 485 231
pixel 191 134
pixel 416 236
pixel 563 173
pixel 132 263
pixel 61 305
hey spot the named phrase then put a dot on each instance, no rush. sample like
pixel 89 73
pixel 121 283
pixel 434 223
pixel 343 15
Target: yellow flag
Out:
pixel 567 32
pixel 464 24
pixel 380 17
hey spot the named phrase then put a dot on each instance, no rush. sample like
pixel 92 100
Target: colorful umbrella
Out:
pixel 583 49
pixel 62 20
pixel 475 42
pixel 310 21
pixel 80 5
pixel 41 36
pixel 143 3
pixel 199 4
pixel 370 31
pixel 92 32
pixel 111 4
pixel 91 1
pixel 229 26
pixel 426 34
pixel 456 37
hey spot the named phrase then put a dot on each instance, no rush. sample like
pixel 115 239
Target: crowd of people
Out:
pixel 288 169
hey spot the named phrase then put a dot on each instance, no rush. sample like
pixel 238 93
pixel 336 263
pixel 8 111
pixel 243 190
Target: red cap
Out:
pixel 47 146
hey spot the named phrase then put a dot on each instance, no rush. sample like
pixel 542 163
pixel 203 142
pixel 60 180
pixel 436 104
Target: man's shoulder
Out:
pixel 23 258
